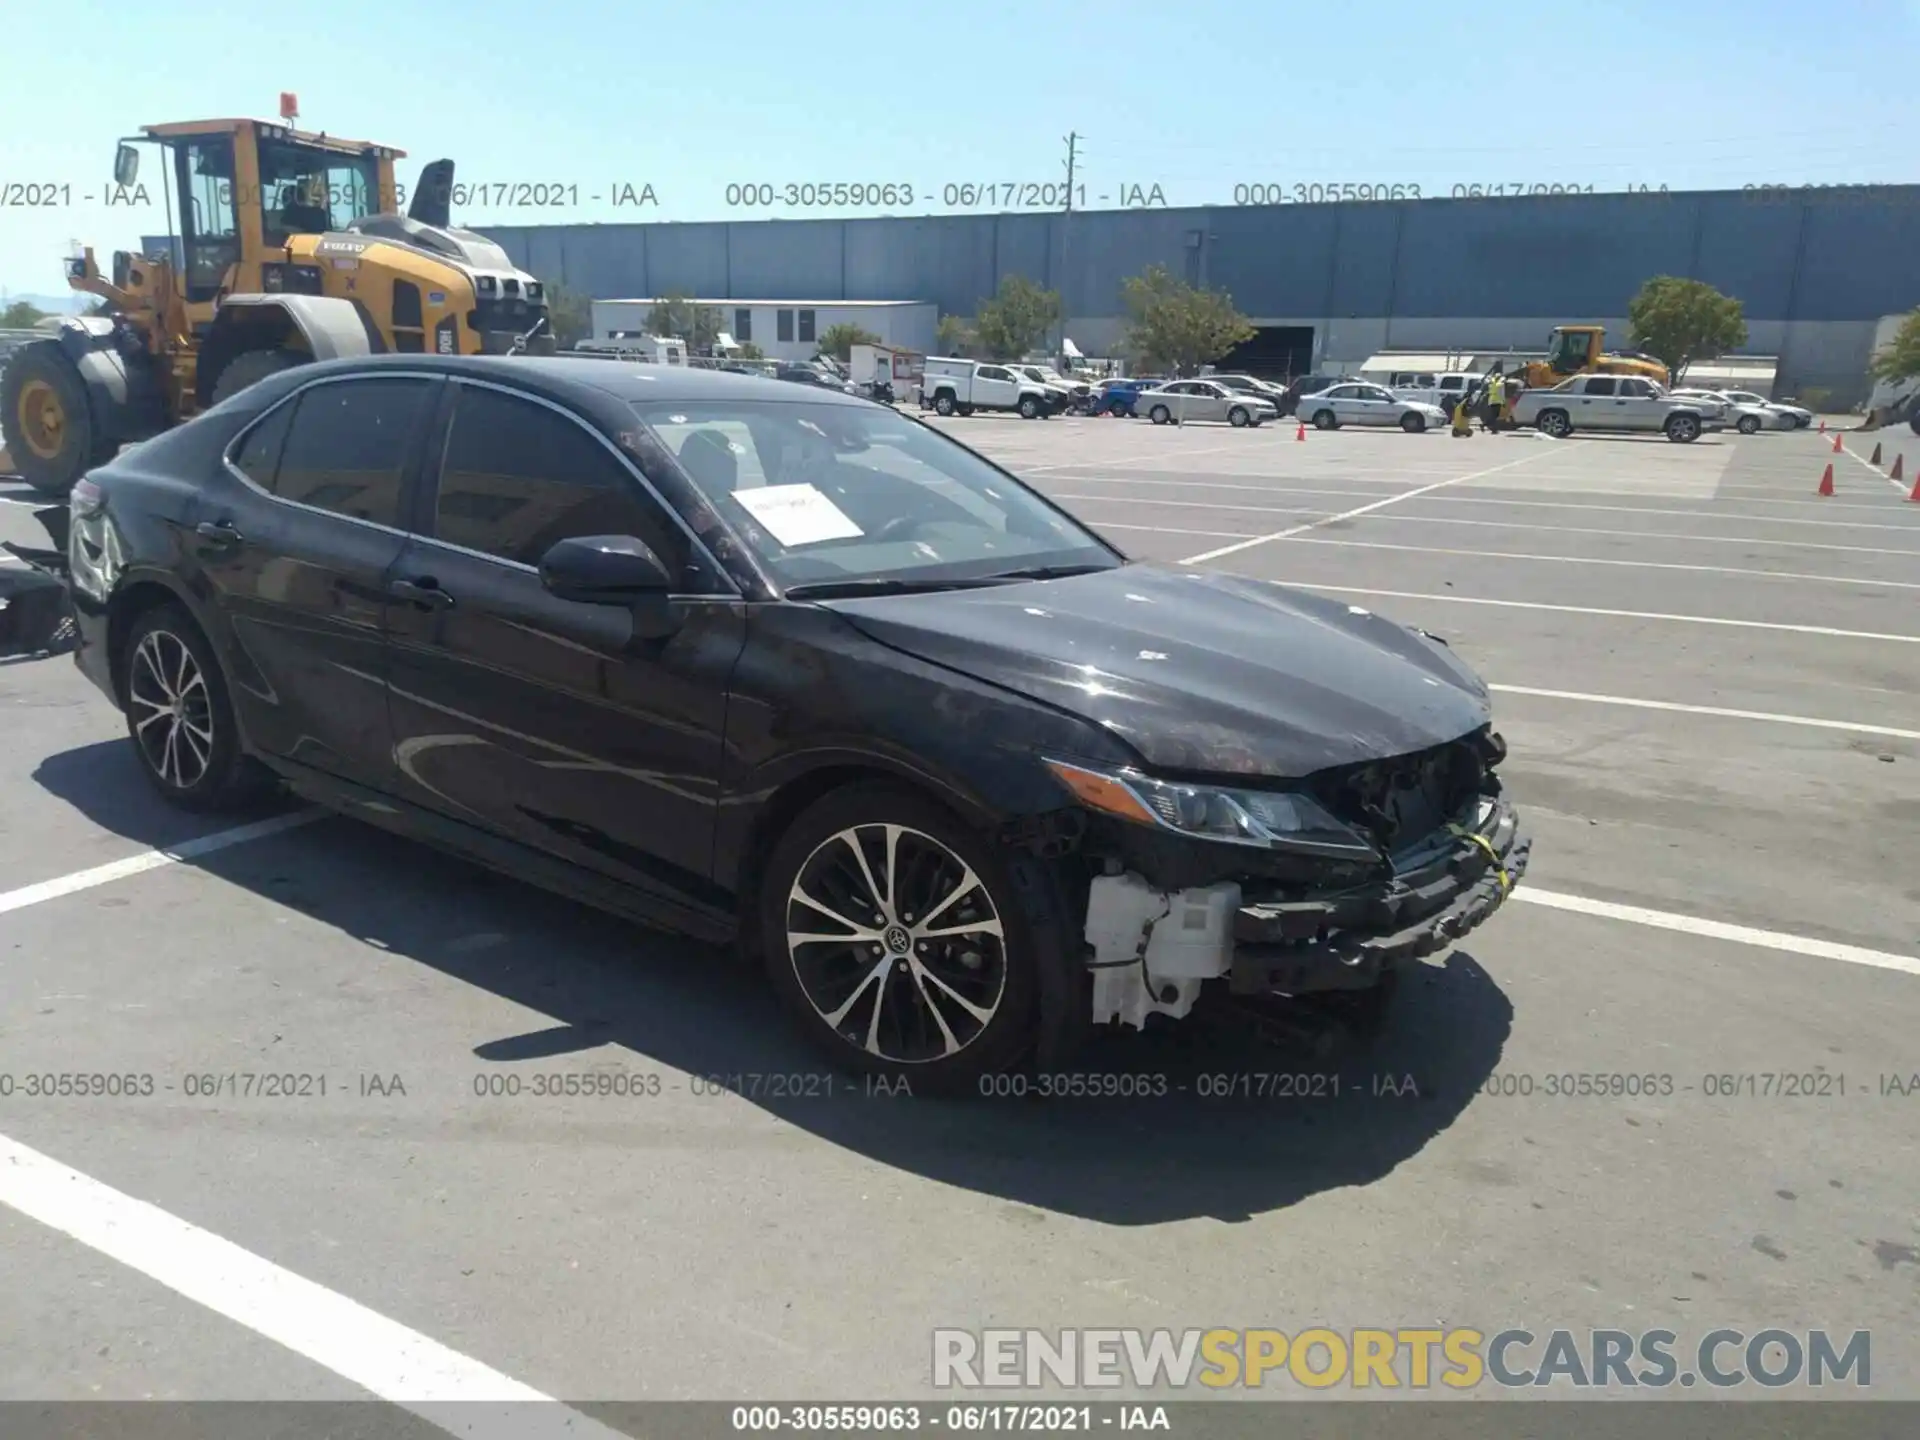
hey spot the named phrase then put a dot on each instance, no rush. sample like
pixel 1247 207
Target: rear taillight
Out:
pixel 87 497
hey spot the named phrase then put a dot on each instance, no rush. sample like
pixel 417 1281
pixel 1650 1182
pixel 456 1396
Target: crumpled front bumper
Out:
pixel 1439 893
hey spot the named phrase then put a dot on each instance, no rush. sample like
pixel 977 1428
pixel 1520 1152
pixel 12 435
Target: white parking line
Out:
pixel 396 1364
pixel 151 860
pixel 1167 530
pixel 1621 614
pixel 1719 930
pixel 1362 510
pixel 1632 564
pixel 1561 504
pixel 1501 524
pixel 1852 726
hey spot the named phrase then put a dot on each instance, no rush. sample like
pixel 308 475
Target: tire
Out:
pixel 943 403
pixel 47 421
pixel 250 366
pixel 1325 420
pixel 1238 417
pixel 1160 415
pixel 964 411
pixel 1029 408
pixel 1748 425
pixel 1682 429
pixel 1413 424
pixel 864 1002
pixel 194 760
pixel 1554 423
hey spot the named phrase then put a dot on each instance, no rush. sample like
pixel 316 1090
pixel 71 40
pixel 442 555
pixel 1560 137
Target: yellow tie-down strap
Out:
pixel 1506 880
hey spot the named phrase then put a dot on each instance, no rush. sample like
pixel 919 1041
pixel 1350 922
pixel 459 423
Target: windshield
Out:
pixel 308 191
pixel 825 493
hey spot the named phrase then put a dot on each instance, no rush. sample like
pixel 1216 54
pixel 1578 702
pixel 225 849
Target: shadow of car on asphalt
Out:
pixel 1228 1128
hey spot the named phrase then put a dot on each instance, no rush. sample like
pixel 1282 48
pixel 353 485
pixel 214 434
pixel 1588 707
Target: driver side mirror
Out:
pixel 126 166
pixel 612 570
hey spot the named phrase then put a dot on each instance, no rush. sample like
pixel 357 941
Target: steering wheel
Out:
pixel 901 527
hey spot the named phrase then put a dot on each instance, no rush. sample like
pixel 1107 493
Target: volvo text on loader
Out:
pixel 293 248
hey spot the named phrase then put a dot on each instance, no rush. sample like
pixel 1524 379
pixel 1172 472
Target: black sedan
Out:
pixel 792 670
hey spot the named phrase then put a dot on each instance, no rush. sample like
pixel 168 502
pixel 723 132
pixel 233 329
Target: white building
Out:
pixel 788 329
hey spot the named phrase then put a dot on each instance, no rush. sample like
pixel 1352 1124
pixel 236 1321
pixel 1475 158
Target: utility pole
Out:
pixel 1066 223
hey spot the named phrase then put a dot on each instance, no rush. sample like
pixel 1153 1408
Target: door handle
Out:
pixel 424 592
pixel 220 532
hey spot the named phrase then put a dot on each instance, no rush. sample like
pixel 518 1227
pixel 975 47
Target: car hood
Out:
pixel 1197 671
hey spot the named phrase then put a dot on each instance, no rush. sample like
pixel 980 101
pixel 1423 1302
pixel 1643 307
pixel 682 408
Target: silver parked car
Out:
pixel 1747 419
pixel 1362 403
pixel 1180 401
pixel 1798 414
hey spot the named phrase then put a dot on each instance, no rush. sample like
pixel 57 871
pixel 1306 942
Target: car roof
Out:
pixel 622 379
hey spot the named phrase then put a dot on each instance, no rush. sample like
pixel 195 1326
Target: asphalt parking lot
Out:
pixel 1709 678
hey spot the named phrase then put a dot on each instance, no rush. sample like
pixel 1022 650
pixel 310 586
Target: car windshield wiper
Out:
pixel 1048 572
pixel 884 585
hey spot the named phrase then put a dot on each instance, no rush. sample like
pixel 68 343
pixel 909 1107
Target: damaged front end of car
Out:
pixel 1286 889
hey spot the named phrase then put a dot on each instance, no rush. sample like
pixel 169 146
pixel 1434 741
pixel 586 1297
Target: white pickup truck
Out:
pixel 960 387
pixel 1614 402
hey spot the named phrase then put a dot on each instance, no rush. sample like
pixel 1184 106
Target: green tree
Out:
pixel 21 316
pixel 1900 358
pixel 839 340
pixel 953 335
pixel 569 315
pixel 1681 321
pixel 1016 319
pixel 1176 327
pixel 675 316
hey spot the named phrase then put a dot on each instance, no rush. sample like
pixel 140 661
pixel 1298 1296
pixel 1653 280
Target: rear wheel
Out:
pixel 1413 424
pixel 1555 423
pixel 1325 420
pixel 895 939
pixel 1683 429
pixel 251 366
pixel 47 423
pixel 1749 425
pixel 179 716
pixel 943 403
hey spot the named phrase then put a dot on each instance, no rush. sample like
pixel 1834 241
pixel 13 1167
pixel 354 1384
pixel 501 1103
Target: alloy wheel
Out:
pixel 896 943
pixel 173 709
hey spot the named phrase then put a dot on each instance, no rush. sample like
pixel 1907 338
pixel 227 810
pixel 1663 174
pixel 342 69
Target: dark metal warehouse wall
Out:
pixel 1836 258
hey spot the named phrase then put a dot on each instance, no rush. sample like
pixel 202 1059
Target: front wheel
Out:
pixel 46 420
pixel 1029 408
pixel 1238 417
pixel 1160 415
pixel 1682 429
pixel 179 716
pixel 896 941
pixel 1326 420
pixel 1413 424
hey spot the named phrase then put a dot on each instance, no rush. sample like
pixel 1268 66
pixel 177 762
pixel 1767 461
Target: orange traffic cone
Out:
pixel 1898 461
pixel 1915 496
pixel 1300 431
pixel 1876 456
pixel 1826 480
pixel 1823 427
pixel 1836 442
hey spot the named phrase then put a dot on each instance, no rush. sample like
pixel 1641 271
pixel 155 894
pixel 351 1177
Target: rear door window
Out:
pixel 1598 385
pixel 258 455
pixel 347 446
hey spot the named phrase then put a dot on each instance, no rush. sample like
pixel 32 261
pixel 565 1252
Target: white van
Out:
pixel 1430 387
pixel 959 387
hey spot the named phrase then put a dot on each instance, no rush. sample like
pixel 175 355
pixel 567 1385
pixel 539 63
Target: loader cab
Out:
pixel 1572 348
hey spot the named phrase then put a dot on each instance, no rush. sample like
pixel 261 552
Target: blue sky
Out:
pixel 1196 98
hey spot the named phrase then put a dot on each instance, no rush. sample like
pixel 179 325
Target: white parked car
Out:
pixel 1361 403
pixel 1180 401
pixel 1799 414
pixel 1747 419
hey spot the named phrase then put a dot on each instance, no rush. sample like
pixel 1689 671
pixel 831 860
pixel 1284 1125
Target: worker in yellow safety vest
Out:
pixel 1496 400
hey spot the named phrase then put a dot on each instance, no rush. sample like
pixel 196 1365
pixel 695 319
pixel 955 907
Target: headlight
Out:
pixel 1271 820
